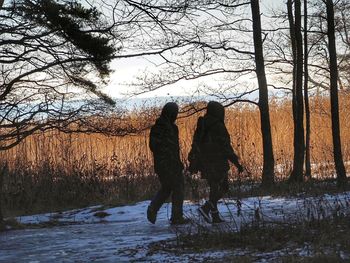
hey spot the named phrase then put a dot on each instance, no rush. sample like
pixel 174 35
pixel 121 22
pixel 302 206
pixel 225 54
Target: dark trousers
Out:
pixel 170 185
pixel 218 187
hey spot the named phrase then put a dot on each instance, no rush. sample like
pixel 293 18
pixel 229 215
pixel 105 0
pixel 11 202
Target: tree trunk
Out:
pixel 306 98
pixel 268 165
pixel 1 174
pixel 298 107
pixel 3 170
pixel 294 57
pixel 333 67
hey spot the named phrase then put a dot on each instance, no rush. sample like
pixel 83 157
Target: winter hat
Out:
pixel 215 109
pixel 170 111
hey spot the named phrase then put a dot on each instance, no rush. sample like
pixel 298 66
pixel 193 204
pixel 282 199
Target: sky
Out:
pixel 125 72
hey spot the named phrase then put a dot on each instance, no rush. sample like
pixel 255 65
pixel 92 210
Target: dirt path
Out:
pixel 124 234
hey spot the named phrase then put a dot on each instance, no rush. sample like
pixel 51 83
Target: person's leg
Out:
pixel 214 194
pixel 217 189
pixel 160 197
pixel 223 185
pixel 177 200
pixel 158 200
pixel 205 209
pixel 218 184
pixel 178 197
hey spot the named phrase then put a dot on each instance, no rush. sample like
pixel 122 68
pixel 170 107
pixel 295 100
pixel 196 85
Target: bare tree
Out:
pixel 298 107
pixel 317 54
pixel 342 27
pixel 49 54
pixel 1 185
pixel 212 40
pixel 268 165
pixel 215 41
pixel 3 173
pixel 306 95
pixel 54 61
pixel 53 58
pixel 333 67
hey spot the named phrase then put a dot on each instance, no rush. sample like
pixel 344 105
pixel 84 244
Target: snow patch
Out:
pixel 124 233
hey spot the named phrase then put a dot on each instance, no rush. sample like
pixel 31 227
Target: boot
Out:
pixel 151 214
pixel 216 217
pixel 177 217
pixel 204 210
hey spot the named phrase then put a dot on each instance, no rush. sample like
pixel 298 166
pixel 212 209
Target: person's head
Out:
pixel 170 111
pixel 215 109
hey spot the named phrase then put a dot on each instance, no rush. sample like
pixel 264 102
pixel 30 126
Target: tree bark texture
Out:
pixel 268 165
pixel 333 67
pixel 298 106
pixel 3 170
pixel 306 98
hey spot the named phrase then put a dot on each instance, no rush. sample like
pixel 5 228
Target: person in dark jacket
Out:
pixel 210 153
pixel 164 144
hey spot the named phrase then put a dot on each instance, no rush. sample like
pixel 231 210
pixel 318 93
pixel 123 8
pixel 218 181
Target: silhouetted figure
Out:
pixel 211 150
pixel 164 144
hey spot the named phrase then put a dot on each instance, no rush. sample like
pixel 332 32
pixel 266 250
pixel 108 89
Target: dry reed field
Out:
pixel 54 170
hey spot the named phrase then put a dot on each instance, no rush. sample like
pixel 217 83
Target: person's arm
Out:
pixel 225 141
pixel 156 138
pixel 196 139
pixel 198 132
pixel 193 156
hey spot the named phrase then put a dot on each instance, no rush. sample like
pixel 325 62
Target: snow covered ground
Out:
pixel 122 234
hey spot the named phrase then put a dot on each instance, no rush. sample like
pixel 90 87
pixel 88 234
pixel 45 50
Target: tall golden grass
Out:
pixel 54 168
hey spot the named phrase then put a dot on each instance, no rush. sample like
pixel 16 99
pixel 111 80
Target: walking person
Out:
pixel 210 153
pixel 164 144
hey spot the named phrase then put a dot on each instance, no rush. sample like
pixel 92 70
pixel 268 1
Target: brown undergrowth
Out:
pixel 54 170
pixel 310 241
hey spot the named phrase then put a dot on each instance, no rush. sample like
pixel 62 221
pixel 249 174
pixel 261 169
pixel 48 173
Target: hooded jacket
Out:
pixel 164 142
pixel 212 141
